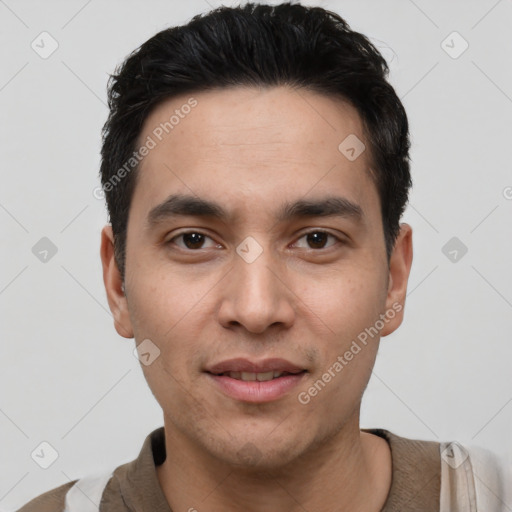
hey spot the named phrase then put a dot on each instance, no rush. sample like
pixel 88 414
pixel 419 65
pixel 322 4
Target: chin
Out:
pixel 259 453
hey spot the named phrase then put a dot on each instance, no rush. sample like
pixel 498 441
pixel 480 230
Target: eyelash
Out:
pixel 171 241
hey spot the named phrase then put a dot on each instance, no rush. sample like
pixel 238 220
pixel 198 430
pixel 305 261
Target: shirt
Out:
pixel 134 486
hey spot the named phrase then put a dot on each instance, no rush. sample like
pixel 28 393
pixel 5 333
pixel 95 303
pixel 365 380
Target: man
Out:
pixel 255 165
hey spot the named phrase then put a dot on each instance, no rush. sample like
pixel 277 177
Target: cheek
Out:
pixel 346 301
pixel 171 321
pixel 163 303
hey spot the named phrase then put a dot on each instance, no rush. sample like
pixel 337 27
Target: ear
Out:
pixel 114 285
pixel 399 268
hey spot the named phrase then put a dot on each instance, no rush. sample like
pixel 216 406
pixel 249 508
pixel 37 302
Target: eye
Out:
pixel 192 240
pixel 318 239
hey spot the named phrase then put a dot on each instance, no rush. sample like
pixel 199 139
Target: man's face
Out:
pixel 261 289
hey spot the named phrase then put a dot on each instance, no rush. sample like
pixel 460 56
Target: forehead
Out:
pixel 254 147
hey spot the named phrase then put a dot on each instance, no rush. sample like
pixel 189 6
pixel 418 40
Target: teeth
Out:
pixel 262 377
pixel 251 376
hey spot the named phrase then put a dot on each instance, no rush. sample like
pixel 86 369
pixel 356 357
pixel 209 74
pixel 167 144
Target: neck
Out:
pixel 351 471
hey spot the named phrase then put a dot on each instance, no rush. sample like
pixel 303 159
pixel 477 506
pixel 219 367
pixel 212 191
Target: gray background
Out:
pixel 68 379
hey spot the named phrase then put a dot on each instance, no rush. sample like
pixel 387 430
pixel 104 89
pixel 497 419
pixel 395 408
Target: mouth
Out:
pixel 255 382
pixel 259 377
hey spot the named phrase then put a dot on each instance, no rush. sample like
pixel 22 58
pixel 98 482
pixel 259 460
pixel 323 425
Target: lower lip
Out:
pixel 256 391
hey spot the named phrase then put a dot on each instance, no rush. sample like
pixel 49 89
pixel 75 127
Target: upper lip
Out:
pixel 244 365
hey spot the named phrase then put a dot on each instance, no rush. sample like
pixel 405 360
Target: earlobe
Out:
pixel 399 269
pixel 114 285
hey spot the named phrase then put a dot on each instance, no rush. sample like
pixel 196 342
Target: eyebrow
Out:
pixel 187 205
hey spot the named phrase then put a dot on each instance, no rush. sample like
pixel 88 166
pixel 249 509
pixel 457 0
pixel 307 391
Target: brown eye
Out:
pixel 192 240
pixel 318 239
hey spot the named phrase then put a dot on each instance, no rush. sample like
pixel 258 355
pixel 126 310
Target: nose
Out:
pixel 257 296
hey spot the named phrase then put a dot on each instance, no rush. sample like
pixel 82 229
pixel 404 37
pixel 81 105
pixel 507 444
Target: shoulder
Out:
pixel 477 476
pixel 108 488
pixel 50 501
pixel 410 454
pixel 455 476
pixel 81 495
pixel 416 473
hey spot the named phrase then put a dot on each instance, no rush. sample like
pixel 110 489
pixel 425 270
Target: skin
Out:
pixel 252 150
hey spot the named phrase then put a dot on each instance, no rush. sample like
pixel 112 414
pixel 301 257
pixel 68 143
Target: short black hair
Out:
pixel 256 45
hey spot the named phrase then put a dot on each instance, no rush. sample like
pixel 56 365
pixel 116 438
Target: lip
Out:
pixel 244 365
pixel 256 391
